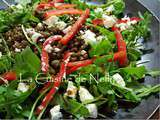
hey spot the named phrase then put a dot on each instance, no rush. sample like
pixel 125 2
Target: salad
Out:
pixel 69 59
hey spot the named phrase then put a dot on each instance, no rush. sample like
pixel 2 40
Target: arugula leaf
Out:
pixel 101 48
pixel 14 16
pixel 134 72
pixel 5 63
pixel 27 62
pixel 72 106
pixel 154 73
pixel 108 34
pixel 148 91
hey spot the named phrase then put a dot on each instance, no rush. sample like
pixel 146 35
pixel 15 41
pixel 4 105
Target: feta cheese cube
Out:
pixel 48 48
pixel 98 10
pixel 17 50
pixel 110 9
pixel 109 21
pixel 84 94
pixel 23 87
pixel 92 108
pixel 51 21
pixel 0 54
pixel 55 113
pixel 71 90
pixel 61 25
pixel 89 37
pixel 119 80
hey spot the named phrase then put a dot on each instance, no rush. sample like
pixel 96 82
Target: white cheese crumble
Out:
pixel 89 37
pixel 17 50
pixel 61 25
pixel 92 108
pixel 57 49
pixel 119 80
pixel 127 25
pixel 23 87
pixel 110 9
pixel 66 30
pixel 35 36
pixel 48 48
pixel 83 52
pixel 109 21
pixel 98 10
pixel 71 90
pixel 55 113
pixel 100 38
pixel 0 40
pixel 0 54
pixel 85 95
pixel 51 21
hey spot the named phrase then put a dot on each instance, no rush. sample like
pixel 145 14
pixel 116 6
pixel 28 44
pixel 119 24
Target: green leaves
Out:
pixel 108 34
pixel 72 106
pixel 5 63
pixel 119 6
pixel 101 48
pixel 27 62
pixel 14 16
pixel 134 72
pixel 76 108
pixel 23 2
pixel 149 90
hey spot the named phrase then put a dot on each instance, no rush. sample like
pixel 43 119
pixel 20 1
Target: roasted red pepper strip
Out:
pixel 61 12
pixel 64 6
pixel 44 6
pixel 75 28
pixel 56 1
pixel 131 19
pixel 9 76
pixel 44 55
pixel 98 21
pixel 76 65
pixel 57 82
pixel 121 44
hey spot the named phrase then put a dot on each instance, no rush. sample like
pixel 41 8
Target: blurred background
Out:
pixel 152 5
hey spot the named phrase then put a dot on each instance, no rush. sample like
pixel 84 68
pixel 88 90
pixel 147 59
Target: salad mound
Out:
pixel 69 59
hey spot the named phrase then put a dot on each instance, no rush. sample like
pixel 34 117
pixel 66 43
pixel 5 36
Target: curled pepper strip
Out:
pixel 44 54
pixel 57 82
pixel 75 28
pixel 8 76
pixel 62 12
pixel 121 44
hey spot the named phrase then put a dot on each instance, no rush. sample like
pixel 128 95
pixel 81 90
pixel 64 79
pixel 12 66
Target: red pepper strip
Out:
pixel 9 76
pixel 61 12
pixel 76 65
pixel 75 28
pixel 44 55
pixel 131 19
pixel 44 6
pixel 97 21
pixel 64 6
pixel 56 1
pixel 81 63
pixel 57 82
pixel 121 46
